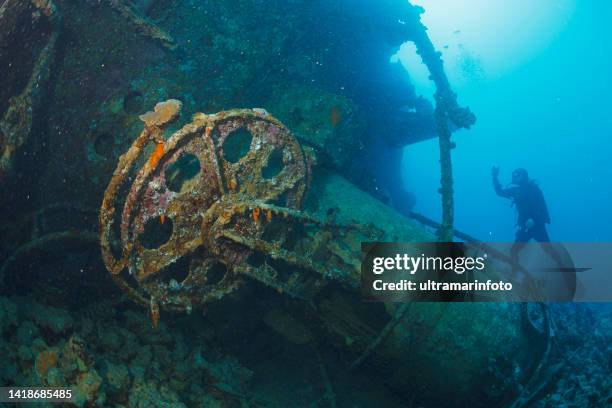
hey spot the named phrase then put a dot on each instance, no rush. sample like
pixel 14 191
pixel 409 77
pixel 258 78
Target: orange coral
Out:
pixel 157 154
pixel 46 360
pixel 154 313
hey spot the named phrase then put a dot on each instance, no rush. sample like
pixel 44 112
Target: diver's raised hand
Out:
pixel 495 171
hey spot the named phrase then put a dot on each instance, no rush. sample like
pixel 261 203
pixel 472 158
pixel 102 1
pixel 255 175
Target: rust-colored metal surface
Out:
pixel 235 214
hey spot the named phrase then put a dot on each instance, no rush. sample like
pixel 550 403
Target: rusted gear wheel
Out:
pixel 258 157
pixel 259 162
pixel 242 157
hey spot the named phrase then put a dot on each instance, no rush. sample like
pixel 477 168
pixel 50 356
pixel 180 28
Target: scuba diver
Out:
pixel 530 205
pixel 533 216
pixel 532 212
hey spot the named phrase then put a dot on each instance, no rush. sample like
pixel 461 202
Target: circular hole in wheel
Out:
pixel 176 271
pixel 274 165
pixel 256 259
pixel 237 144
pixel 156 233
pixel 181 171
pixel 215 273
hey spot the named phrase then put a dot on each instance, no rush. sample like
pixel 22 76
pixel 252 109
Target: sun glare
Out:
pixel 485 39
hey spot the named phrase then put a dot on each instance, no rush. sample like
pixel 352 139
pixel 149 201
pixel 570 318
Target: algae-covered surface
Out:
pixel 184 188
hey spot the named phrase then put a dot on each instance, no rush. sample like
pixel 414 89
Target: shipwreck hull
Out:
pixel 298 232
pixel 435 354
pixel 439 354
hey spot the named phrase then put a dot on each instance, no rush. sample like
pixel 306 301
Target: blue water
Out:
pixel 550 115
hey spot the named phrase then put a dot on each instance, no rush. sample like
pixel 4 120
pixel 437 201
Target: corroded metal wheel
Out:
pixel 226 172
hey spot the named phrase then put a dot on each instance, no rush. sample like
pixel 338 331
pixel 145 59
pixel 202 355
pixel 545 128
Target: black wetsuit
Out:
pixel 530 204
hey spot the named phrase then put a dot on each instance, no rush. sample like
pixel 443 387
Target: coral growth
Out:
pixel 111 356
pixel 584 338
pixel 162 114
pixel 46 360
pixel 106 363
